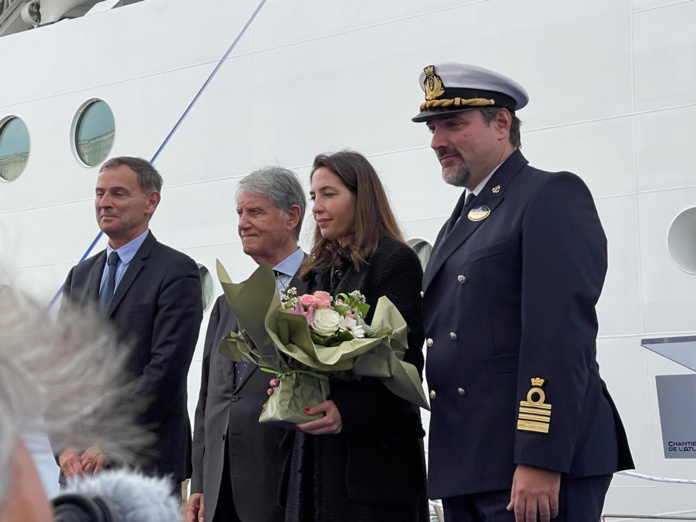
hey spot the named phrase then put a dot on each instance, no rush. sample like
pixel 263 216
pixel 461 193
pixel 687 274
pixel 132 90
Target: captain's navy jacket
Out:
pixel 509 299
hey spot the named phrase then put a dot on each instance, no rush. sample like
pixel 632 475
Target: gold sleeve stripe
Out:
pixel 535 405
pixel 538 427
pixel 535 411
pixel 534 417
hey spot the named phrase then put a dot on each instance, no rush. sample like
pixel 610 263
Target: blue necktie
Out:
pixel 107 291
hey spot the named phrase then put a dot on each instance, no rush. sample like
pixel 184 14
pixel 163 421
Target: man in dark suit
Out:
pixel 522 425
pixel 152 295
pixel 237 462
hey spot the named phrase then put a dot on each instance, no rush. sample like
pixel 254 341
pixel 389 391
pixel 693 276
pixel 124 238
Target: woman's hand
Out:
pixel 330 424
pixel 274 384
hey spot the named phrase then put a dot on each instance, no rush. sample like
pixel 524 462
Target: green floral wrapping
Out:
pixel 295 391
pixel 279 342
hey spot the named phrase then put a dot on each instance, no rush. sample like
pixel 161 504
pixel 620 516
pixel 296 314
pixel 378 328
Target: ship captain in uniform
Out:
pixel 522 426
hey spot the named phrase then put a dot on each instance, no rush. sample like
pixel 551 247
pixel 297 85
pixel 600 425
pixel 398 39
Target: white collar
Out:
pixel 480 186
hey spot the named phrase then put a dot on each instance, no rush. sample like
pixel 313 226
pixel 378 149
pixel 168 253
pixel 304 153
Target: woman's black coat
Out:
pixel 374 469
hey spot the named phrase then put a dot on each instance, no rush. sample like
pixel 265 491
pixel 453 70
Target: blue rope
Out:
pixel 205 85
pixel 84 256
pixel 178 123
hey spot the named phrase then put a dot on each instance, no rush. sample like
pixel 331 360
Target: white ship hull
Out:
pixel 613 99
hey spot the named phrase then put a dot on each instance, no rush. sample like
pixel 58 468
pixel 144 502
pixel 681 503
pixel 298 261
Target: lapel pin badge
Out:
pixel 495 189
pixel 479 214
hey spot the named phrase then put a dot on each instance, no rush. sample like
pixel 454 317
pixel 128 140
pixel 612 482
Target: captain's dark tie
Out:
pixel 467 202
pixel 465 207
pixel 107 291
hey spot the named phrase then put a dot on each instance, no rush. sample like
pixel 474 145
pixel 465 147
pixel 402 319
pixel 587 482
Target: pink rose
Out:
pixel 320 294
pixel 350 314
pixel 307 300
pixel 322 303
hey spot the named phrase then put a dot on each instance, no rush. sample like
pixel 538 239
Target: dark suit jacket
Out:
pixel 224 411
pixel 507 299
pixel 157 309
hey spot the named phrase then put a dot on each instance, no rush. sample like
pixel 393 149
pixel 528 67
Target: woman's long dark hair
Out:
pixel 374 218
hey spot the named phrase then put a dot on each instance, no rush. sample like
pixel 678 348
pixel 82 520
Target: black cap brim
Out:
pixel 429 113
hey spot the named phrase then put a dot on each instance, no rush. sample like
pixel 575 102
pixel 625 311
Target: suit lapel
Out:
pixel 299 284
pixel 431 268
pixel 227 323
pixel 134 268
pixel 94 278
pixel 491 196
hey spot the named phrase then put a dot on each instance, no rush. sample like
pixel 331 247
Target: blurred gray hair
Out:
pixel 281 186
pixel 66 374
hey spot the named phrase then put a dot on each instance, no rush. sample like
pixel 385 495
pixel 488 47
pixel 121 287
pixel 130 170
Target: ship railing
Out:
pixel 436 515
pixel 5 4
pixel 631 518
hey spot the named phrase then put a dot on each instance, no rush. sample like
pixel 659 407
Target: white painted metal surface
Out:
pixel 613 99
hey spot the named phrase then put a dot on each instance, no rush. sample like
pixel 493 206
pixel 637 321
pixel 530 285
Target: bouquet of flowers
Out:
pixel 307 339
pixel 330 323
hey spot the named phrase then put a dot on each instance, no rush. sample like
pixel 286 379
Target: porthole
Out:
pixel 93 132
pixel 680 240
pixel 422 248
pixel 206 285
pixel 14 148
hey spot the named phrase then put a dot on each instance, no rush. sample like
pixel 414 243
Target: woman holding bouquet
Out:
pixel 363 460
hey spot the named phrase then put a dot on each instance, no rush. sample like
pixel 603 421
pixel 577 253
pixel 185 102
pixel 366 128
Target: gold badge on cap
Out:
pixel 433 84
pixel 535 414
pixel 479 214
pixel 495 189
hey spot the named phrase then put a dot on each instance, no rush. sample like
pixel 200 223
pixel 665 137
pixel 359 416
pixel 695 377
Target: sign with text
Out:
pixel 676 396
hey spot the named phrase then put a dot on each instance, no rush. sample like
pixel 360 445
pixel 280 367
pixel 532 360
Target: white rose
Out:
pixel 325 322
